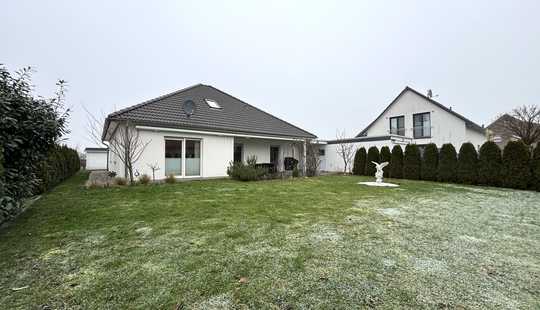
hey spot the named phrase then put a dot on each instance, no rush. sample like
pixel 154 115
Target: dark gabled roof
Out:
pixel 235 115
pixel 96 149
pixel 470 124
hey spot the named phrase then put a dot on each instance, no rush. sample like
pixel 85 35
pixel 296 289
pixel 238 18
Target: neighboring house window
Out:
pixel 212 103
pixel 321 152
pixel 422 125
pixel 497 139
pixel 397 125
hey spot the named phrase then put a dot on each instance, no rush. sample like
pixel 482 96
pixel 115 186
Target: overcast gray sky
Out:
pixel 321 65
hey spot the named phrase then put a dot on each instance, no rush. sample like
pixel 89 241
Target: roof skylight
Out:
pixel 212 103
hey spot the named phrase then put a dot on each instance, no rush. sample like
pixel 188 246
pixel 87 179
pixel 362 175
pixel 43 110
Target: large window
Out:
pixel 422 125
pixel 397 125
pixel 182 157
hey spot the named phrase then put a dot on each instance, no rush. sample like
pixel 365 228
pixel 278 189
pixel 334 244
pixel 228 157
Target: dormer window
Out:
pixel 212 104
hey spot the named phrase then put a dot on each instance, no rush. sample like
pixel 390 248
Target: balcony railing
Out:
pixel 418 132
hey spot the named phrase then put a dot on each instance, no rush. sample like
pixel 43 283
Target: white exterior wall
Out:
pixel 96 160
pixel 333 162
pixel 445 127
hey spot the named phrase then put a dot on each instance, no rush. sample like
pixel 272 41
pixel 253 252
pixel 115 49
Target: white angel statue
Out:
pixel 379 174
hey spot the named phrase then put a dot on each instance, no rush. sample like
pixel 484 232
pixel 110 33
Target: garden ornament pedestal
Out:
pixel 379 177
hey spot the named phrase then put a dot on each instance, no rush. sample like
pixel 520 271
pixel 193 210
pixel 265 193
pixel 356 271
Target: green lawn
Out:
pixel 324 242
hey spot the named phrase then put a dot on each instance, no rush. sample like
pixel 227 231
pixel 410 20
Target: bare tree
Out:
pixel 345 150
pixel 125 142
pixel 313 161
pixel 524 123
pixel 154 167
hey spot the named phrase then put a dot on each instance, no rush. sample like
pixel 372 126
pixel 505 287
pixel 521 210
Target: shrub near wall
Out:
pixel 372 155
pixel 446 171
pixel 467 167
pixel 490 164
pixel 430 161
pixel 411 162
pixel 359 164
pixel 516 168
pixel 535 168
pixel 386 156
pixel 396 168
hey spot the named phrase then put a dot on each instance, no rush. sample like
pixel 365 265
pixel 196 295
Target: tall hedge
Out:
pixel 386 156
pixel 372 155
pixel 446 171
pixel 535 168
pixel 467 168
pixel 490 164
pixel 396 168
pixel 61 163
pixel 359 164
pixel 430 161
pixel 516 165
pixel 411 162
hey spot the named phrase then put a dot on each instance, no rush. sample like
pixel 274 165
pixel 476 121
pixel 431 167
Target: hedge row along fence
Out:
pixel 517 166
pixel 61 163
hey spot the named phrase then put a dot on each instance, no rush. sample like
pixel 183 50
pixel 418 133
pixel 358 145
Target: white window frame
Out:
pixel 184 139
pixel 213 104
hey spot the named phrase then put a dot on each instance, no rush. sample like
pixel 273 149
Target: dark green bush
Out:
pixel 386 156
pixel 372 155
pixel 61 163
pixel 446 171
pixel 411 162
pixel 516 157
pixel 535 168
pixel 248 171
pixel 430 161
pixel 359 163
pixel 295 172
pixel 467 166
pixel 490 164
pixel 396 164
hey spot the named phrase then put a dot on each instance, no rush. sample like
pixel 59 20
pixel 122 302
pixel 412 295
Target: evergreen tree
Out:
pixel 359 164
pixel 386 156
pixel 430 161
pixel 516 157
pixel 396 169
pixel 411 162
pixel 490 164
pixel 446 171
pixel 372 155
pixel 467 168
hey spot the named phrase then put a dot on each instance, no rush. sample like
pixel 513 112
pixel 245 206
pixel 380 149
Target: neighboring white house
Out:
pixel 197 131
pixel 410 118
pixel 96 158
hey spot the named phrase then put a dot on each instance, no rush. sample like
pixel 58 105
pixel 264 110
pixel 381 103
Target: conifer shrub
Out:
pixel 446 171
pixel 430 161
pixel 396 168
pixel 516 157
pixel 386 156
pixel 535 168
pixel 372 155
pixel 359 164
pixel 411 162
pixel 490 164
pixel 467 167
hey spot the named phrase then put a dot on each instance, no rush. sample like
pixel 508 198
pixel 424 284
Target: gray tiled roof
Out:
pixel 235 115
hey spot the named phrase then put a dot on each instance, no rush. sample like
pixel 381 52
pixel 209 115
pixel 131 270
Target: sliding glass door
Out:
pixel 182 157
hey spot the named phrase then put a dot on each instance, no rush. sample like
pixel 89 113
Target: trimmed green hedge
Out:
pixel 396 168
pixel 411 162
pixel 446 171
pixel 359 164
pixel 467 168
pixel 372 155
pixel 516 169
pixel 61 163
pixel 535 168
pixel 490 164
pixel 386 156
pixel 430 162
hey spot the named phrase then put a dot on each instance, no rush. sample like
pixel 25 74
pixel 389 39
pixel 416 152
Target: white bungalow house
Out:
pixel 410 118
pixel 197 131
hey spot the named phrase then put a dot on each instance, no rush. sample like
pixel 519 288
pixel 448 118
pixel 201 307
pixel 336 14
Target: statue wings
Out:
pixel 381 165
